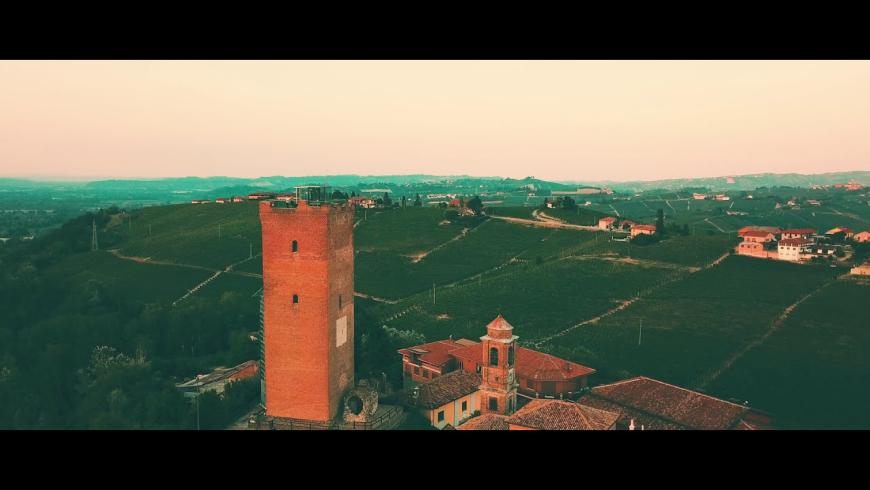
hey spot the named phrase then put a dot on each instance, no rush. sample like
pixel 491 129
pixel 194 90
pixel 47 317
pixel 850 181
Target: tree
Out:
pixel 387 201
pixel 417 201
pixel 568 203
pixel 403 201
pixel 660 222
pixel 475 205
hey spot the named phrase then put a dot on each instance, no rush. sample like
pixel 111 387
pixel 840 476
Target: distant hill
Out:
pixel 742 182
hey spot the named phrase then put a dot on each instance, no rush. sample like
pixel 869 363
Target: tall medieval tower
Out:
pixel 498 388
pixel 307 305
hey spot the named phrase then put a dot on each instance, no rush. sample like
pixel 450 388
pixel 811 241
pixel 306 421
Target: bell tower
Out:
pixel 498 387
pixel 307 305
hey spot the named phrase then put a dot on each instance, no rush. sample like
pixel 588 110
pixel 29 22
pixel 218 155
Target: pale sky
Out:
pixel 555 120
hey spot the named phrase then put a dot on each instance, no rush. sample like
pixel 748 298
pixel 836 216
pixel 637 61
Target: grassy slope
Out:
pixel 813 371
pixel 691 326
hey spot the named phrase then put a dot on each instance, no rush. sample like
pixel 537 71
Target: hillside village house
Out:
pixel 722 197
pixel 547 415
pixel 363 202
pixel 238 199
pixel 792 248
pixel 626 224
pixel 847 232
pixel 758 236
pixel 538 374
pixel 698 196
pixel 861 270
pixel 223 200
pixel 606 223
pixel 861 237
pixel 775 230
pixel 448 400
pixel 259 196
pixel 218 379
pixel 642 230
pixel 804 233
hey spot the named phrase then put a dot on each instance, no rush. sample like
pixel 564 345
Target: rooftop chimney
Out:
pixel 631 425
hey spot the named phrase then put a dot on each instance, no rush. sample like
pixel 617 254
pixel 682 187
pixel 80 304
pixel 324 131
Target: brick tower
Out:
pixel 307 305
pixel 498 387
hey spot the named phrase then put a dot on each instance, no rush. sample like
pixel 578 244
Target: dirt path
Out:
pixel 547 223
pixel 670 205
pixel 537 343
pixel 422 255
pixel 375 298
pixel 615 211
pixel 774 326
pixel 714 224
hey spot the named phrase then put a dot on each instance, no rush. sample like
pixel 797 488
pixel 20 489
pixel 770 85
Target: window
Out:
pixel 339 301
pixel 493 356
pixel 478 369
pixel 511 355
pixel 460 365
pixel 295 299
pixel 530 384
pixel 416 370
pixel 425 373
pixel 493 403
pixel 441 416
pixel 464 406
pixel 295 246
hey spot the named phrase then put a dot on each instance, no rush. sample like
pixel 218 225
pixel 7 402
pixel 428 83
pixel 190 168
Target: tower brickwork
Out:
pixel 308 324
pixel 498 388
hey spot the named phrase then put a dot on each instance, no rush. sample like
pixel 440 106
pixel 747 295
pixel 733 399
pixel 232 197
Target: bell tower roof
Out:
pixel 499 329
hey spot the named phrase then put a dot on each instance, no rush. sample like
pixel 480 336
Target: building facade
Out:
pixel 498 388
pixel 308 323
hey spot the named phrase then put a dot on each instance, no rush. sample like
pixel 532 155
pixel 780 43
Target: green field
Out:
pixel 692 326
pixel 209 235
pixel 813 370
pixel 125 278
pixel 403 231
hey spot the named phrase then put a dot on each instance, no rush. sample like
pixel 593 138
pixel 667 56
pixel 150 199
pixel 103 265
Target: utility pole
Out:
pixel 219 231
pixel 433 293
pixel 250 250
pixel 640 333
pixel 94 245
pixel 197 411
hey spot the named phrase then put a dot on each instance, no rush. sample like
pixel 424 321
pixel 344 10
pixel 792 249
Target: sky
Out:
pixel 555 120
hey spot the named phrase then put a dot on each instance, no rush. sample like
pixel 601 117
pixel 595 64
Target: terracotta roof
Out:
pixel 530 363
pixel 562 415
pixel 756 233
pixel 607 219
pixel 659 405
pixel 499 324
pixel 441 390
pixel 644 227
pixel 489 421
pixel 772 229
pixel 434 353
pixel 839 229
pixel 795 242
pixel 799 231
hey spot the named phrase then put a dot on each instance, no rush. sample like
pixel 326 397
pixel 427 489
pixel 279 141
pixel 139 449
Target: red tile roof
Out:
pixel 499 324
pixel 530 364
pixel 607 219
pixel 756 233
pixel 772 229
pixel 433 353
pixel 659 405
pixel 795 242
pixel 489 421
pixel 562 415
pixel 644 227
pixel 441 390
pixel 799 231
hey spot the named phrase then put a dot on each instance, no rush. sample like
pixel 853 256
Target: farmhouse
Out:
pixel 758 236
pixel 363 202
pixel 606 223
pixel 792 248
pixel 698 196
pixel 538 374
pixel 862 237
pixel 448 400
pixel 822 249
pixel 258 196
pixel 847 232
pixel 642 230
pixel 218 379
pixel 771 229
pixel 722 197
pixel 199 201
pixel 805 233
pixel 626 224
pixel 647 403
pixel 861 270
pixel 238 199
pixel 223 200
pixel 756 249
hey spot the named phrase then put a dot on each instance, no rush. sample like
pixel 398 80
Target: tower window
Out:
pixel 339 301
pixel 295 246
pixel 295 299
pixel 493 403
pixel 493 356
pixel 511 356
